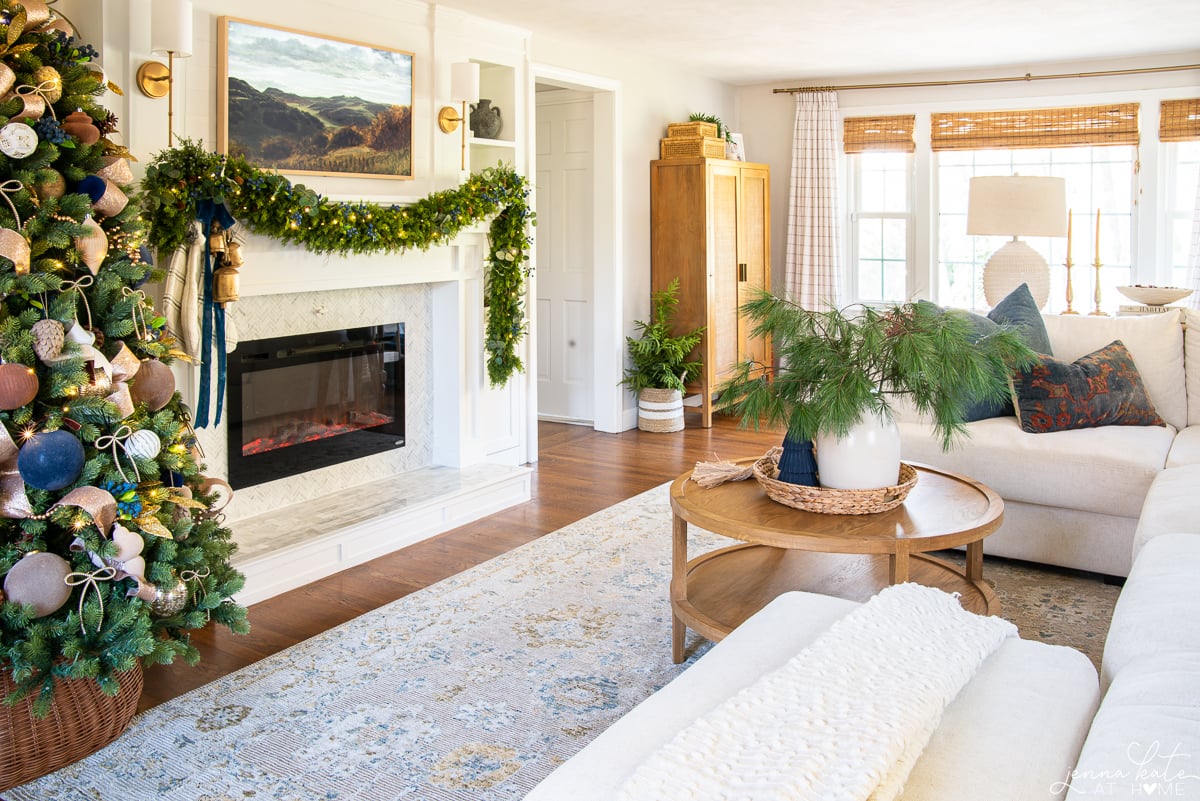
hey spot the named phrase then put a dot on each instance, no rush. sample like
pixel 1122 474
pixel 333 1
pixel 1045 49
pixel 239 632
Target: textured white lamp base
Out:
pixel 1012 265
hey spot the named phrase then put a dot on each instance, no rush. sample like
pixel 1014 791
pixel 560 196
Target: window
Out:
pixel 1093 147
pixel 1183 180
pixel 1097 178
pixel 881 224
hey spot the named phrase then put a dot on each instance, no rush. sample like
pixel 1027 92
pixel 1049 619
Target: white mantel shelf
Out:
pixel 299 544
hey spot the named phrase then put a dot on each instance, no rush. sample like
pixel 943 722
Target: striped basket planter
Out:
pixel 660 410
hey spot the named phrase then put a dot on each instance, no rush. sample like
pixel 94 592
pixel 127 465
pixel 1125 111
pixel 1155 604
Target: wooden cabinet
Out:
pixel 710 227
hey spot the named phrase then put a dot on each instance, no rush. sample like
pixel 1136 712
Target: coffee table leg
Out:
pixel 898 565
pixel 678 583
pixel 974 569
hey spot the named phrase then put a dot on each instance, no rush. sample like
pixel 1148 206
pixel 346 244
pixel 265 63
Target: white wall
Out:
pixel 767 120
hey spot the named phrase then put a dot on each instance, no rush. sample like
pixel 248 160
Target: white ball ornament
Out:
pixel 18 140
pixel 39 579
pixel 143 443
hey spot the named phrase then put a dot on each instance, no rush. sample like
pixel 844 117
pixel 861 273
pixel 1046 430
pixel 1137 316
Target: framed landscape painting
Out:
pixel 304 103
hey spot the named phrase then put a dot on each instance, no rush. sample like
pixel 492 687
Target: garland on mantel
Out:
pixel 177 180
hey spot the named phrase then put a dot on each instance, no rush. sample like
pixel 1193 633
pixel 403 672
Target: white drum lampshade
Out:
pixel 1017 205
pixel 464 82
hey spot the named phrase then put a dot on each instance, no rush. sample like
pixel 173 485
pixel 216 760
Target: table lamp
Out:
pixel 1017 205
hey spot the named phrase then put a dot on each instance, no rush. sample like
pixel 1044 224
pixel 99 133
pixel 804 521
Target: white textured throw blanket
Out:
pixel 844 719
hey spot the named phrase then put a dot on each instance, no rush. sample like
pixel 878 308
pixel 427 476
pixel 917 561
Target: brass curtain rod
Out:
pixel 966 81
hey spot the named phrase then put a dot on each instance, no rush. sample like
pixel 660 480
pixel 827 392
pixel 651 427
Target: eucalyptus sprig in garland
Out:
pixel 268 204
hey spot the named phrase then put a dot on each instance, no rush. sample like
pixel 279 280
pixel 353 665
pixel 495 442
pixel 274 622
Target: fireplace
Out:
pixel 302 402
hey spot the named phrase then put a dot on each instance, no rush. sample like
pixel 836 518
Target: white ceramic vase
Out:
pixel 868 457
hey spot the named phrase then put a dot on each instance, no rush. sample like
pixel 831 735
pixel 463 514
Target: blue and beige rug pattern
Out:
pixel 474 688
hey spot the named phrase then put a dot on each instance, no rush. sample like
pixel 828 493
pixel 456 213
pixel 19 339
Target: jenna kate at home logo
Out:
pixel 1154 770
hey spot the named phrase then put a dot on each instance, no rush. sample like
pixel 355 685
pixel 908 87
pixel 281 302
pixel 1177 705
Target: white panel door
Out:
pixel 564 257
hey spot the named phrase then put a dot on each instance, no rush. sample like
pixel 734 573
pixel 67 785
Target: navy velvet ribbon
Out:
pixel 212 318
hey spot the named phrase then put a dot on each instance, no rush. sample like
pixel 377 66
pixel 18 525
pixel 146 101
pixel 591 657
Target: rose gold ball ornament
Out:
pixel 7 78
pixel 15 247
pixel 79 125
pixel 169 601
pixel 39 579
pixel 18 386
pixel 154 385
pixel 49 83
pixel 48 339
pixel 49 183
pixel 143 443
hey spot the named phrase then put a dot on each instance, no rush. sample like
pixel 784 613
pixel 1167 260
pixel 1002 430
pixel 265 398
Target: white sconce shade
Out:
pixel 171 27
pixel 464 82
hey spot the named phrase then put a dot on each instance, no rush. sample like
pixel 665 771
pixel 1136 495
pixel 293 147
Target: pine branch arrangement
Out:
pixel 660 359
pixel 836 365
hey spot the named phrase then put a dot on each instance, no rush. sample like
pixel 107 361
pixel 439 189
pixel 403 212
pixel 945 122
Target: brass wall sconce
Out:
pixel 170 35
pixel 464 88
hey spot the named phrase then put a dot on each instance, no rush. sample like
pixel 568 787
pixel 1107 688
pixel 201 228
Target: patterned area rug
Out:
pixel 475 688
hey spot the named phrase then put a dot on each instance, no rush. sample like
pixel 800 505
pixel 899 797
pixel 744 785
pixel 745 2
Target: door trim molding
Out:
pixel 608 244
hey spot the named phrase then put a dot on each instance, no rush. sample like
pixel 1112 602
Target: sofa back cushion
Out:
pixel 1191 356
pixel 1155 341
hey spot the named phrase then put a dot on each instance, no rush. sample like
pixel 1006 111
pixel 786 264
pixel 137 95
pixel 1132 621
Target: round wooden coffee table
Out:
pixel 849 556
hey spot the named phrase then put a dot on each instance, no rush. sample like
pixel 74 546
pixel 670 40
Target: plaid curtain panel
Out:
pixel 812 262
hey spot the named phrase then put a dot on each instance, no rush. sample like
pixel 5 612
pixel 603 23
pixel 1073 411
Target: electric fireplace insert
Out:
pixel 299 403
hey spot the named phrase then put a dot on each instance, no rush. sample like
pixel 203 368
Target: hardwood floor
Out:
pixel 579 471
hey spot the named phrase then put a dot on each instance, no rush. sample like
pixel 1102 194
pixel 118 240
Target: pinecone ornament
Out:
pixel 48 338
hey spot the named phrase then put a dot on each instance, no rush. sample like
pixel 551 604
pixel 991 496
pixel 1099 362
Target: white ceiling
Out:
pixel 762 41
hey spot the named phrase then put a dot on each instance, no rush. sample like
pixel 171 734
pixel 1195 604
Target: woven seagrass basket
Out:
pixel 81 721
pixel 660 410
pixel 827 500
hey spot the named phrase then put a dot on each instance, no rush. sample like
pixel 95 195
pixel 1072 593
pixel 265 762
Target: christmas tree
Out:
pixel 111 543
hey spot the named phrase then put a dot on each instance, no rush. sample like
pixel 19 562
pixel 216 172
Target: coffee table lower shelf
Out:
pixel 725 587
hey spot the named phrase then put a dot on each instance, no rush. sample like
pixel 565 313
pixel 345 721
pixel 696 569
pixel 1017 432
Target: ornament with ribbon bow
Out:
pixel 116 440
pixel 127 563
pixel 13 244
pixel 35 99
pixel 90 581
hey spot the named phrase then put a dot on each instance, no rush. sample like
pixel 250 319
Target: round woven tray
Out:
pixel 826 500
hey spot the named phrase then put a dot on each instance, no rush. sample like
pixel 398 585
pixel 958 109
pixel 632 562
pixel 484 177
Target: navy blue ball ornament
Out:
pixel 51 460
pixel 93 186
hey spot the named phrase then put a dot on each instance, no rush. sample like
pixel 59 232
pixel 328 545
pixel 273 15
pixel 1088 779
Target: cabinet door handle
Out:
pixel 742 272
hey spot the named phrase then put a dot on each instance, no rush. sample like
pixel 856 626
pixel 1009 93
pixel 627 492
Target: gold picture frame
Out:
pixel 312 104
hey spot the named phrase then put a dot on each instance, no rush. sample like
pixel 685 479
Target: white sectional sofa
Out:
pixel 1033 723
pixel 1072 498
pixel 1037 721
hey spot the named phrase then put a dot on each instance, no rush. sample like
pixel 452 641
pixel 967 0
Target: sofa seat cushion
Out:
pixel 1185 450
pixel 1150 616
pixel 1170 506
pixel 1155 341
pixel 1029 705
pixel 1105 470
pixel 1145 740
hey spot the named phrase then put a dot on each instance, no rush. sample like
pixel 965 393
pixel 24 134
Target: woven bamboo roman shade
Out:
pixel 1179 120
pixel 1075 126
pixel 895 133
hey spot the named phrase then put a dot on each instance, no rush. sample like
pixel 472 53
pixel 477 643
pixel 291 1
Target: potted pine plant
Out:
pixel 660 364
pixel 840 369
